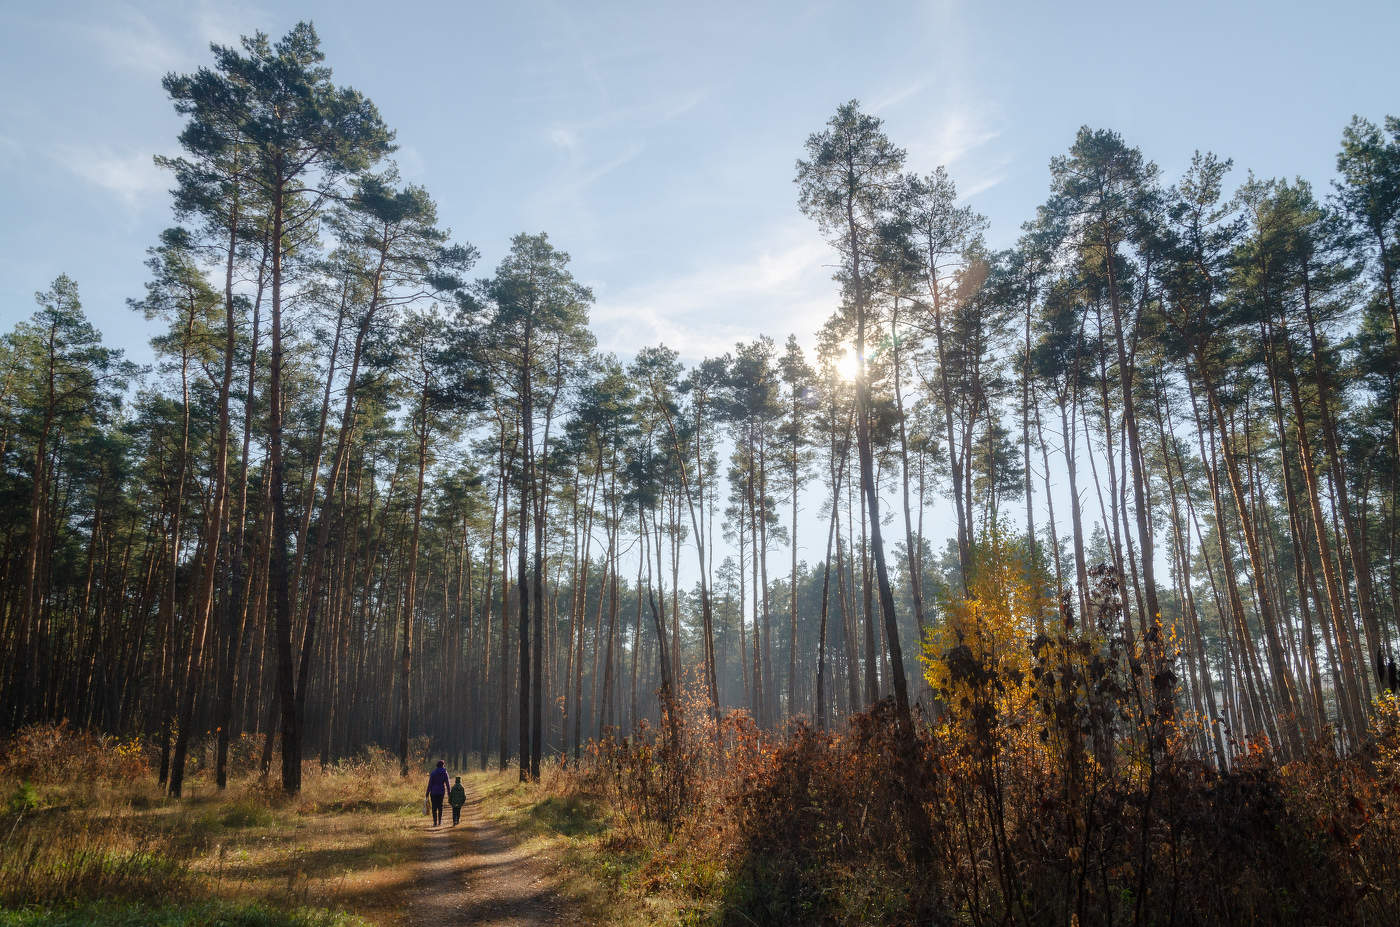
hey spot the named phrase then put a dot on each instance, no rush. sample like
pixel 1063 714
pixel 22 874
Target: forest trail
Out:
pixel 477 874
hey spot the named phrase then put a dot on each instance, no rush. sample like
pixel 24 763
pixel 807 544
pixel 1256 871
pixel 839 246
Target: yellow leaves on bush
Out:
pixel 978 657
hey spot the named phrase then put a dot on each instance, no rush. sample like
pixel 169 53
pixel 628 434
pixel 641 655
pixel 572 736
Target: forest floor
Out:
pixel 351 850
pixel 478 873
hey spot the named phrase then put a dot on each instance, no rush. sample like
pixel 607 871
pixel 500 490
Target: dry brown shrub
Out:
pixel 1078 802
pixel 56 753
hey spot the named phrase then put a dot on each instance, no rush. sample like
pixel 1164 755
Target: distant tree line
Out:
pixel 364 497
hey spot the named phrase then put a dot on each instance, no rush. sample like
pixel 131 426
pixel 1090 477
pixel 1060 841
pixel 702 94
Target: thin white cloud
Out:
pixel 131 40
pixel 600 170
pixel 677 106
pixel 568 188
pixel 131 177
pixel 226 22
pixel 562 137
pixel 633 118
pixel 955 132
pixel 411 163
pixel 898 96
pixel 982 184
pixel 785 288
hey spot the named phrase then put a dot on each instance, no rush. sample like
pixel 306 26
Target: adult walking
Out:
pixel 437 788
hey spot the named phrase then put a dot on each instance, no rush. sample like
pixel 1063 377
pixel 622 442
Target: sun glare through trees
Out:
pixel 1043 575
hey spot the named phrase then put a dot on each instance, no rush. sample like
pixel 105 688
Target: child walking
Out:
pixel 457 798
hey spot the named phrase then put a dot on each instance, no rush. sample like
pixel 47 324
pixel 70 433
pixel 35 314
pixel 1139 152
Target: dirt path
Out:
pixel 477 874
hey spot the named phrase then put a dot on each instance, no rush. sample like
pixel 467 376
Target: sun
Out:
pixel 848 365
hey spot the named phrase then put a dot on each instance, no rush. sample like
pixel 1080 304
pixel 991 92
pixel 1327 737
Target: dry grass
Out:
pixel 602 871
pixel 345 844
pixel 90 839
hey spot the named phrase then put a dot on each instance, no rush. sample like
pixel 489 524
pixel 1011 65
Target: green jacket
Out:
pixel 458 796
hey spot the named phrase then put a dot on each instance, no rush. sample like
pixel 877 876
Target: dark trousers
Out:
pixel 456 813
pixel 437 808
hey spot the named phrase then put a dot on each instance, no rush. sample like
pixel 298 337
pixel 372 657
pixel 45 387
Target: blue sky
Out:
pixel 655 141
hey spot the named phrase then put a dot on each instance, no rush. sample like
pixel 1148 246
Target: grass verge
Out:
pixel 205 914
pixel 608 873
pixel 121 853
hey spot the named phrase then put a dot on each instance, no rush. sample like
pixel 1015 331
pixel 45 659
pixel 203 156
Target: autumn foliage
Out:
pixel 1052 784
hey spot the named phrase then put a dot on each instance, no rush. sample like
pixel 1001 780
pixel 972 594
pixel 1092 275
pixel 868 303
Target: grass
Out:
pixel 203 914
pixel 120 853
pixel 609 875
pixel 110 849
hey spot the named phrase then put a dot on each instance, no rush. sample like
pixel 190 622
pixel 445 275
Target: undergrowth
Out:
pixel 88 837
pixel 204 914
pixel 1055 786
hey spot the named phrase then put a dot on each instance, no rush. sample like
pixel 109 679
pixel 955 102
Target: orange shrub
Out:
pixel 54 753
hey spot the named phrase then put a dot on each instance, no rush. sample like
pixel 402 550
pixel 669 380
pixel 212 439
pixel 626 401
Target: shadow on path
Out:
pixel 476 874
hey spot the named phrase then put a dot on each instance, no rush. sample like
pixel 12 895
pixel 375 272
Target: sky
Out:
pixel 656 141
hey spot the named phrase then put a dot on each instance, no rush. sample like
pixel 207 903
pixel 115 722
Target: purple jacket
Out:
pixel 437 781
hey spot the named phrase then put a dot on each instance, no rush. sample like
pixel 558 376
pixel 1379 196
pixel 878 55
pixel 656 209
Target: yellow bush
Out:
pixel 977 658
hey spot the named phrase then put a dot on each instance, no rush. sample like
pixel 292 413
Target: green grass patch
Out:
pixel 246 814
pixel 23 798
pixel 569 816
pixel 54 872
